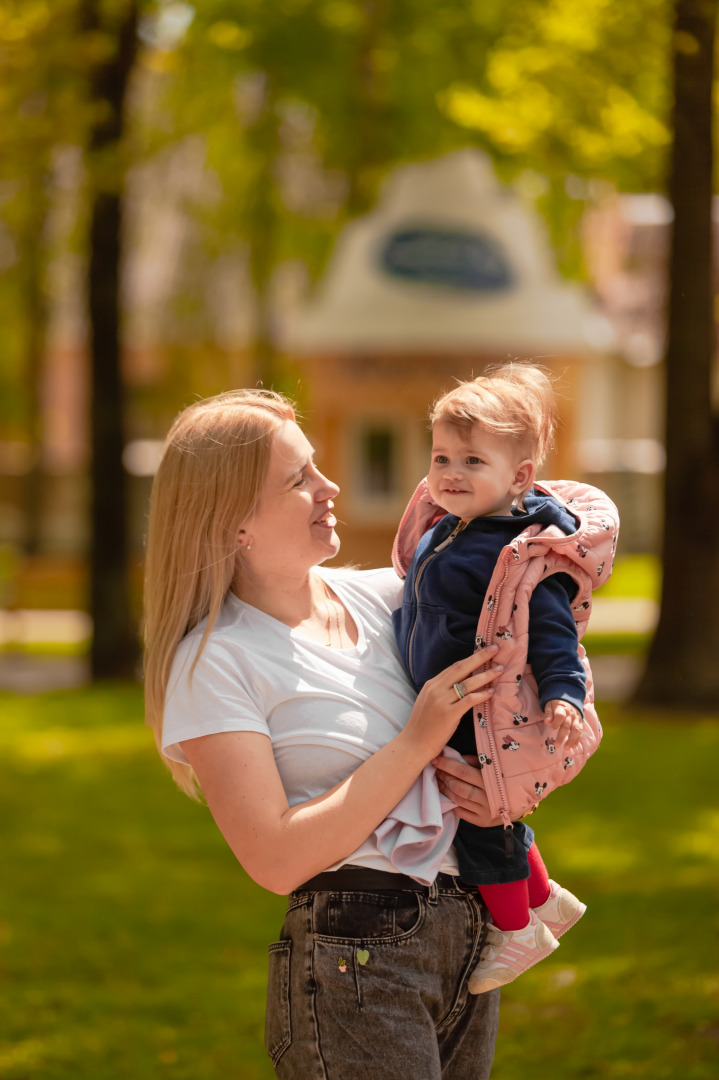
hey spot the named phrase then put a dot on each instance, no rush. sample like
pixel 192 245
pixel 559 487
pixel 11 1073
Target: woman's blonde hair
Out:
pixel 209 481
pixel 515 400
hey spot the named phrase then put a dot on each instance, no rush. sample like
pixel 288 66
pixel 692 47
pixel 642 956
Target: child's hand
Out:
pixel 568 721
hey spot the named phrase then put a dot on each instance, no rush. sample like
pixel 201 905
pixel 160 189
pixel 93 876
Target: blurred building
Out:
pixel 449 273
pixel 626 242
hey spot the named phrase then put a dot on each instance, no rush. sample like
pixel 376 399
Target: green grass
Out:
pixel 616 644
pixel 133 946
pixel 49 648
pixel 131 943
pixel 632 992
pixel 634 575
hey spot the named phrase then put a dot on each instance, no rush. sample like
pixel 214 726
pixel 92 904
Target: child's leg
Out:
pixel 482 854
pixel 538 884
pixel 556 907
pixel 528 916
pixel 508 904
pixel 484 862
pixel 516 938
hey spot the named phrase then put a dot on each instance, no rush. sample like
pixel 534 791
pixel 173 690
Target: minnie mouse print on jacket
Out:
pixel 570 530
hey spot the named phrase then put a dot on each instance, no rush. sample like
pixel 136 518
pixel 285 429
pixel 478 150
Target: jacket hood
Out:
pixel 576 519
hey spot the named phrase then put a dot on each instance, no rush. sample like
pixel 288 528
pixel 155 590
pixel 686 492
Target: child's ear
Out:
pixel 524 476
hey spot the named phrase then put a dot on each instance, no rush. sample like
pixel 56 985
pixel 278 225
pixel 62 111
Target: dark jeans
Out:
pixel 372 985
pixel 482 854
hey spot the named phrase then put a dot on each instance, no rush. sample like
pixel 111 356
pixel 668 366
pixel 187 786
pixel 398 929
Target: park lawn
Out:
pixel 634 575
pixel 132 944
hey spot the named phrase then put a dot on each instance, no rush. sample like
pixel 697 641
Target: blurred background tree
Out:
pixel 681 666
pixel 109 31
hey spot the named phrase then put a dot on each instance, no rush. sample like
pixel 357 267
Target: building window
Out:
pixel 378 462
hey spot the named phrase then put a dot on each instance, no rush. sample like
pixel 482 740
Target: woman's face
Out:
pixel 293 526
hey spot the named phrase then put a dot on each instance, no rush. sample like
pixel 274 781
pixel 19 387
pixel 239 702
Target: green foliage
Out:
pixel 303 107
pixel 35 87
pixel 298 110
pixel 131 944
pixel 47 51
pixel 573 86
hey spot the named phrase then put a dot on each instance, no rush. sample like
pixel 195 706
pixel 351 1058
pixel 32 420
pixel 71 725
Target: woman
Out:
pixel 277 688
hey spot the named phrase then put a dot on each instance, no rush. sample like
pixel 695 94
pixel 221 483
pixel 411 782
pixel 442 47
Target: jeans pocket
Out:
pixel 364 917
pixel 278 1031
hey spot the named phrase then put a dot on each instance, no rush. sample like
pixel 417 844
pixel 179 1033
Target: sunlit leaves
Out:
pixel 229 35
pixel 628 126
pixel 511 125
pixel 18 22
pixel 341 15
pixel 559 88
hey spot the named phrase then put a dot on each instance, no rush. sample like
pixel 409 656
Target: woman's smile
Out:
pixel 327 520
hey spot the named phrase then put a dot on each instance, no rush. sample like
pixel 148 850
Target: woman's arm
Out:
pixel 282 846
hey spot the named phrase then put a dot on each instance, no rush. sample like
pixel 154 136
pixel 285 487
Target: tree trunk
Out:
pixel 263 237
pixel 682 667
pixel 115 647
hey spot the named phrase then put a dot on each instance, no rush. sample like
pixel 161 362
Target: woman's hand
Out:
pixel 443 701
pixel 461 781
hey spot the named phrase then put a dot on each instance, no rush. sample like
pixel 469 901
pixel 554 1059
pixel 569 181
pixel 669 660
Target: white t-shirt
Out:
pixel 325 710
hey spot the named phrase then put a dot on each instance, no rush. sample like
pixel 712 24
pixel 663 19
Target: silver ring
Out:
pixel 460 690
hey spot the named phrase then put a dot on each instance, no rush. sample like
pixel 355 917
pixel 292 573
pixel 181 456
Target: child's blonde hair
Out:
pixel 515 400
pixel 209 481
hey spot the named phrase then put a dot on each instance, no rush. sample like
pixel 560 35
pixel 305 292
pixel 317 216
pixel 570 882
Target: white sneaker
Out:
pixel 508 953
pixel 561 910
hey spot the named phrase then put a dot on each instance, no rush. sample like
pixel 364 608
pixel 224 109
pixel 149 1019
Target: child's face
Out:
pixel 475 474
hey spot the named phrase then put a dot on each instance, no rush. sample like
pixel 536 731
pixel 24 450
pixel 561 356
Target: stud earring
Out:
pixel 249 547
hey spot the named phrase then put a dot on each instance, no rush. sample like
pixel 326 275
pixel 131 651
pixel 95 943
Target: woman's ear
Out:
pixel 524 476
pixel 244 540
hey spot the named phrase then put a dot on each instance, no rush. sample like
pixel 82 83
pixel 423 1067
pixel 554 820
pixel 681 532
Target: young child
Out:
pixel 489 437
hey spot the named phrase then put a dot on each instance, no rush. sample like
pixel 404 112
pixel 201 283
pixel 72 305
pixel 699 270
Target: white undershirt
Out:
pixel 326 710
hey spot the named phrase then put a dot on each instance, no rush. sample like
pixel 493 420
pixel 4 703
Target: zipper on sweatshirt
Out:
pixel 459 527
pixel 417 578
pixel 487 708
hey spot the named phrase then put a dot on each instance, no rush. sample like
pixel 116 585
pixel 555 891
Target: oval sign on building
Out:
pixel 449 257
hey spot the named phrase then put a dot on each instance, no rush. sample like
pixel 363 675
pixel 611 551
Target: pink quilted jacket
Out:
pixel 520 761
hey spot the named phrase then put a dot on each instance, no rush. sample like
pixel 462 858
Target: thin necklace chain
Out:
pixel 332 608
